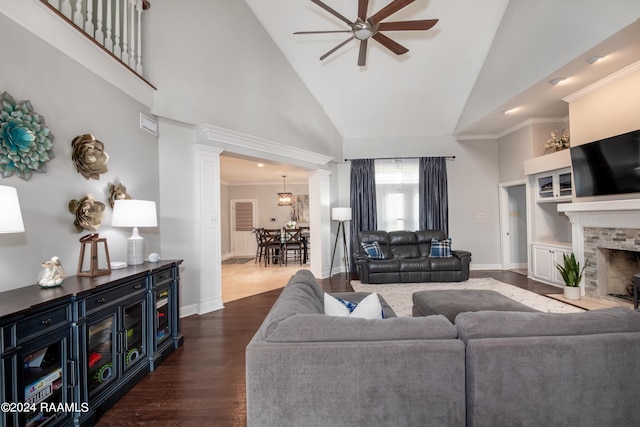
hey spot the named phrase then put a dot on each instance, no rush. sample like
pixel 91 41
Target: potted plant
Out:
pixel 572 274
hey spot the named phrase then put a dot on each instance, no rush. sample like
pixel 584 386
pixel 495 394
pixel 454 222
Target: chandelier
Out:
pixel 284 198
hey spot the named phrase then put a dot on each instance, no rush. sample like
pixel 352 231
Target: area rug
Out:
pixel 237 260
pixel 398 295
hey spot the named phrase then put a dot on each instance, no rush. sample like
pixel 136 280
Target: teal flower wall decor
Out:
pixel 26 144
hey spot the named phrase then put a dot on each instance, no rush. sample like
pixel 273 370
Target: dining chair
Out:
pixel 292 243
pixel 273 246
pixel 260 246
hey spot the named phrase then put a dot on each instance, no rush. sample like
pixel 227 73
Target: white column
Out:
pixel 207 209
pixel 320 222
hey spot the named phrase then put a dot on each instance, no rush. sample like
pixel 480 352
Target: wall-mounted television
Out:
pixel 607 166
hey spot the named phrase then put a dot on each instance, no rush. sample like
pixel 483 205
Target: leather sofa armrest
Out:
pixel 461 254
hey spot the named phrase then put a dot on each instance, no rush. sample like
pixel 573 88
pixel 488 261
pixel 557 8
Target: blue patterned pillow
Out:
pixel 373 250
pixel 440 249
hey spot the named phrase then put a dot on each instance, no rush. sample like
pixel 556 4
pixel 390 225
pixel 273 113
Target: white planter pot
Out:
pixel 572 292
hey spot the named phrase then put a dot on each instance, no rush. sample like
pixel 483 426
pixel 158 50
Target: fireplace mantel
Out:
pixel 613 205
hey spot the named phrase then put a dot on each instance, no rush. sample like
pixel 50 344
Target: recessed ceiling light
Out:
pixel 260 165
pixel 509 111
pixel 556 80
pixel 594 59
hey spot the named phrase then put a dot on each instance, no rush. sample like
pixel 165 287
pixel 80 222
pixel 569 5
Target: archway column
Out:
pixel 320 222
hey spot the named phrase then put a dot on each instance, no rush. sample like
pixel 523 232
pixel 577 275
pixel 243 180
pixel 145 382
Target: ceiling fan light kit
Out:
pixel 363 28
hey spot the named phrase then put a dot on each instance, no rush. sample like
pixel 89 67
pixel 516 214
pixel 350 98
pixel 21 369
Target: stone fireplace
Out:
pixel 607 236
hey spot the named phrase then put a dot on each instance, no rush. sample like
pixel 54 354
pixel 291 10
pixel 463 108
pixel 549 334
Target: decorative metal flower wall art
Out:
pixel 89 156
pixel 88 213
pixel 26 144
pixel 117 192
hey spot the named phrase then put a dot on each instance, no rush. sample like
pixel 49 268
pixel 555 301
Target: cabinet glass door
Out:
pixel 545 187
pixel 134 337
pixel 101 366
pixel 42 379
pixel 564 181
pixel 163 315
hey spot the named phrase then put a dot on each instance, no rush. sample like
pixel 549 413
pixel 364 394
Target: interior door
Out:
pixel 243 220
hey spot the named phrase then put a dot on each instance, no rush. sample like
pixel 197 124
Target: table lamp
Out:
pixel 134 213
pixel 10 214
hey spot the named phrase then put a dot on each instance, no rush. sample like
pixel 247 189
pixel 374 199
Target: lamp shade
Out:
pixel 10 214
pixel 134 213
pixel 341 214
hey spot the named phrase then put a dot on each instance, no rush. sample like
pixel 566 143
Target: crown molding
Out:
pixel 618 75
pixel 238 139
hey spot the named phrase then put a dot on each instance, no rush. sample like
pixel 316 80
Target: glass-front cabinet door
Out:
pixel 135 348
pixel 44 392
pixel 163 316
pixel 101 353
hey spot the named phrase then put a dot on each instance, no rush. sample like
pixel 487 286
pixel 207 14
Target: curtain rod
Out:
pixel 395 158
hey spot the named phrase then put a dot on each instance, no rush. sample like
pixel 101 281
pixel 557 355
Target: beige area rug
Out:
pixel 398 295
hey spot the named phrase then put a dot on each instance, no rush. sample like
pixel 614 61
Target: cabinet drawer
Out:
pixel 43 322
pixel 103 299
pixel 162 276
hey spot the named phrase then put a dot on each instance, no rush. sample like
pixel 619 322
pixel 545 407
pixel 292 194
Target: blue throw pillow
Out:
pixel 440 249
pixel 373 250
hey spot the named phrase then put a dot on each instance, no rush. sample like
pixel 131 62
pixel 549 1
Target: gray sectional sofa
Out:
pixel 406 258
pixel 489 369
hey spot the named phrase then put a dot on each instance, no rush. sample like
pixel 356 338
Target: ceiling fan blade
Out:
pixel 323 32
pixel 336 48
pixel 362 56
pixel 407 25
pixel 389 10
pixel 331 11
pixel 363 5
pixel 394 47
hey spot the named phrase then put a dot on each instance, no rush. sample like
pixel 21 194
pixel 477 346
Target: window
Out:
pixel 397 194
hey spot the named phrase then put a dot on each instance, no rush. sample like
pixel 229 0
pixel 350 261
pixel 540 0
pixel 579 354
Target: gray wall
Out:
pixel 73 101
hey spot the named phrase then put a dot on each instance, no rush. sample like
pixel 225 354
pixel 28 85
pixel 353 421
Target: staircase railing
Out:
pixel 115 25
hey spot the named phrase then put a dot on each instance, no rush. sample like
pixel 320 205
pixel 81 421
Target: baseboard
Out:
pixel 188 310
pixel 485 267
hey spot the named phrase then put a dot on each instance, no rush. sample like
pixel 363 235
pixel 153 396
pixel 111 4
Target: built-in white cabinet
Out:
pixel 554 186
pixel 544 257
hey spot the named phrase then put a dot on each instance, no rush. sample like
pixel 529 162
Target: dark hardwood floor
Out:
pixel 203 382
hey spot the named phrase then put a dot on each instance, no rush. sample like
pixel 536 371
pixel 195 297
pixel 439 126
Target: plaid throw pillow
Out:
pixel 440 249
pixel 373 250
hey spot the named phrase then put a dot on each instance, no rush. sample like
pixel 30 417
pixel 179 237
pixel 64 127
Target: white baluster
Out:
pixel 132 33
pixel 139 59
pixel 125 35
pixel 100 25
pixel 88 23
pixel 108 41
pixel 78 18
pixel 117 51
pixel 66 9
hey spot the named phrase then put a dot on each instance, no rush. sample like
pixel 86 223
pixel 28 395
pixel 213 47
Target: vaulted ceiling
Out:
pixel 433 90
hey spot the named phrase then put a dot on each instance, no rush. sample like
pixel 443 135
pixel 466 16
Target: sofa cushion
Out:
pixel 415 264
pixel 440 248
pixel 446 264
pixel 318 327
pixel 496 324
pixel 372 250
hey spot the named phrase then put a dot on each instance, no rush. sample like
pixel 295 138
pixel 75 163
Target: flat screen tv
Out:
pixel 608 166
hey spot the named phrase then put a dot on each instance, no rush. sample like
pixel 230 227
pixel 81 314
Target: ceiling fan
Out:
pixel 364 28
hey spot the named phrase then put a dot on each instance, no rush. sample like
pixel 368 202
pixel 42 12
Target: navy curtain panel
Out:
pixel 363 200
pixel 434 201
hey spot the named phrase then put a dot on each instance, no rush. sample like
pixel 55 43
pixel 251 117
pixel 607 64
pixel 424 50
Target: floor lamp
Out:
pixel 341 215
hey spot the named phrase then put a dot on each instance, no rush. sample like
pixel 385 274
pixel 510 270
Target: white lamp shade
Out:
pixel 134 213
pixel 341 214
pixel 10 214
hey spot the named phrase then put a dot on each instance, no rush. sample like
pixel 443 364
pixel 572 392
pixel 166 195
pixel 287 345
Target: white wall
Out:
pixel 73 101
pixel 473 188
pixel 213 62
